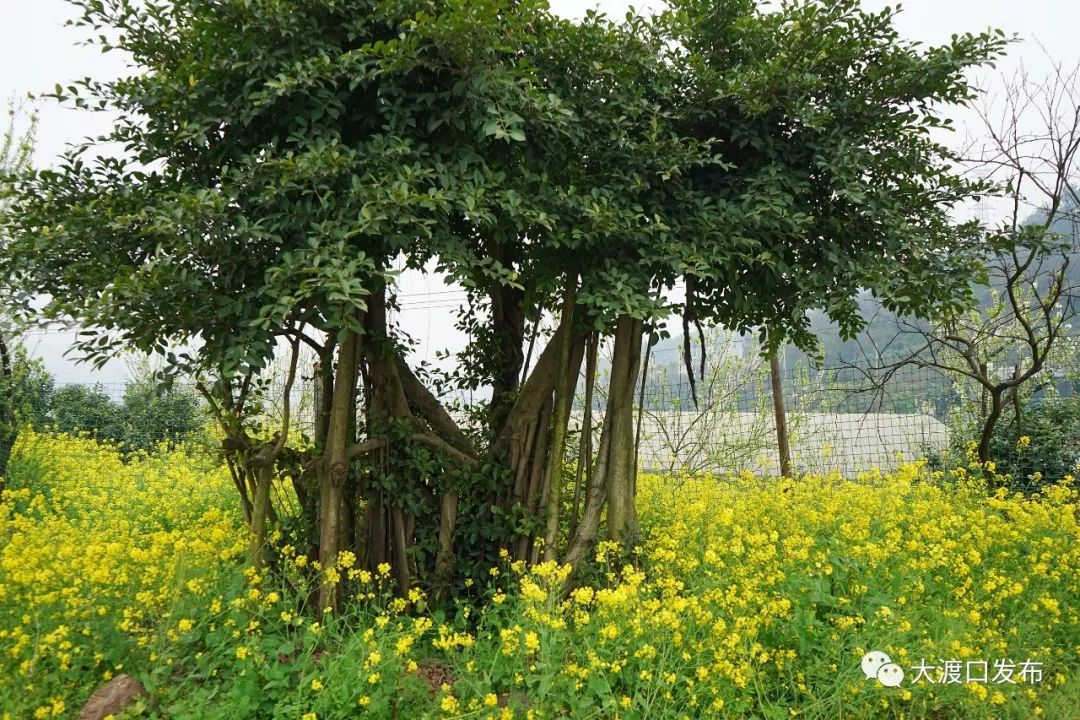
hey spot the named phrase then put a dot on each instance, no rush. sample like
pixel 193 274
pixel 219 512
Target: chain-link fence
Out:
pixel 838 419
pixel 846 419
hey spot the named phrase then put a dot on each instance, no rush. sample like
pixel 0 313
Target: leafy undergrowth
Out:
pixel 745 598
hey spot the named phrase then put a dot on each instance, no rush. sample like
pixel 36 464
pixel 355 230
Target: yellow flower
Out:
pixel 449 704
pixel 316 684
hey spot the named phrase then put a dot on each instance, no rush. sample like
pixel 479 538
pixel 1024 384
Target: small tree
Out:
pixel 723 426
pixel 1027 299
pixel 87 409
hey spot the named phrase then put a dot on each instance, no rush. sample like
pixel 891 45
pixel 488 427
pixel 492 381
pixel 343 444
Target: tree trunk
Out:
pixel 335 464
pixel 378 540
pixel 525 437
pixel 780 415
pixel 564 395
pixel 400 546
pixel 444 558
pixel 264 477
pixel 1013 396
pixel 508 324
pixel 238 474
pixel 584 534
pixel 324 395
pixel 989 424
pixel 387 404
pixel 584 465
pixel 532 470
pixel 615 461
pixel 621 520
pixel 424 404
pixel 641 403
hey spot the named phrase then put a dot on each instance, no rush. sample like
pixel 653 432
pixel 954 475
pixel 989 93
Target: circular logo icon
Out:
pixel 872 662
pixel 890 674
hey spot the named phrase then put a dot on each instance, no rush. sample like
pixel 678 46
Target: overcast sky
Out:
pixel 37 51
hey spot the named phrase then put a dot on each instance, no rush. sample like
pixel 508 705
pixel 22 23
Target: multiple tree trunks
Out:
pixel 374 523
pixel 565 384
pixel 612 481
pixel 534 437
pixel 354 513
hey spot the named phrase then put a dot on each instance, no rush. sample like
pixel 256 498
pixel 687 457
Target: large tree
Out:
pixel 280 158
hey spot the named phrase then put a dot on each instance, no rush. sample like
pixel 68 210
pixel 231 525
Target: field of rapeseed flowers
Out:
pixel 95 553
pixel 746 597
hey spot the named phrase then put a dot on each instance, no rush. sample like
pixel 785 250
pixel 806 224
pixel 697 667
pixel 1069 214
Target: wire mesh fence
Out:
pixel 846 419
pixel 838 419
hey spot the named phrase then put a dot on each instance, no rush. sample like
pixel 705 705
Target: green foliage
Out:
pixel 78 408
pixel 1044 448
pixel 26 392
pixel 296 152
pixel 300 150
pixel 279 159
pixel 827 115
pixel 147 415
pixel 152 413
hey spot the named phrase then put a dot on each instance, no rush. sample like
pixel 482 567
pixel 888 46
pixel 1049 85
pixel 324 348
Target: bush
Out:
pixel 1044 448
pixel 78 408
pixel 147 415
pixel 150 413
pixel 26 392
